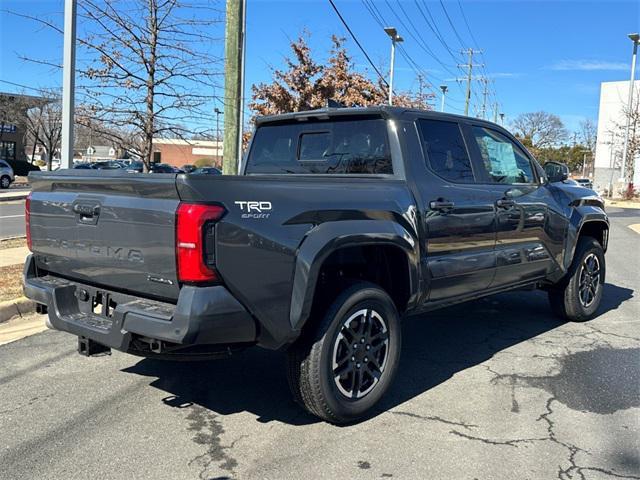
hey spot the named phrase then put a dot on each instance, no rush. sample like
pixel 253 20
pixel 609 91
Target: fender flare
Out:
pixel 579 218
pixel 328 237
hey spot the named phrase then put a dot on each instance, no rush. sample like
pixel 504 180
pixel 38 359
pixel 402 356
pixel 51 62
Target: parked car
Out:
pixel 6 175
pixel 83 166
pixel 22 168
pixel 164 168
pixel 206 171
pixel 585 182
pixel 188 168
pixel 107 165
pixel 342 222
pixel 135 167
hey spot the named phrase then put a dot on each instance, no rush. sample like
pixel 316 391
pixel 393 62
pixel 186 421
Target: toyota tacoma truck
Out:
pixel 342 222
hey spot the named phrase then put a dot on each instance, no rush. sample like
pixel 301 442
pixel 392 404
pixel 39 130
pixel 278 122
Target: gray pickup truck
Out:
pixel 342 222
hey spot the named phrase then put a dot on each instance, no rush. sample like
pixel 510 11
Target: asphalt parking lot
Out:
pixel 494 389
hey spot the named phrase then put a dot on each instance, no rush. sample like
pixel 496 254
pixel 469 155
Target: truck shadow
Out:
pixel 436 346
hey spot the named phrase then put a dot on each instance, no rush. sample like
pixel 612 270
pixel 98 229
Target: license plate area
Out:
pixel 98 302
pixel 103 304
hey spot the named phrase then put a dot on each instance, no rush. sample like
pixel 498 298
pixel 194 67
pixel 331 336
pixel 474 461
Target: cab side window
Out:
pixel 503 160
pixel 445 151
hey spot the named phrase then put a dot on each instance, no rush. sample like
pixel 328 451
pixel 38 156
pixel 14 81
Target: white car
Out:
pixel 6 175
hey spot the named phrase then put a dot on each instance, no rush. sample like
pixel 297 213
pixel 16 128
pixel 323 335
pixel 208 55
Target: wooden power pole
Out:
pixel 469 66
pixel 233 85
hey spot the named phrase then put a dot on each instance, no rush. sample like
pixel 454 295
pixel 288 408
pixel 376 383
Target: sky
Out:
pixel 539 55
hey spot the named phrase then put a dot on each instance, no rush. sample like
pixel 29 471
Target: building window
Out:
pixel 8 150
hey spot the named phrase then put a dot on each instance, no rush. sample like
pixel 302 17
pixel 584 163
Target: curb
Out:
pixel 17 307
pixel 17 196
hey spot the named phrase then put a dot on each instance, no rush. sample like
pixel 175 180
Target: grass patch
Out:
pixel 10 282
pixel 13 243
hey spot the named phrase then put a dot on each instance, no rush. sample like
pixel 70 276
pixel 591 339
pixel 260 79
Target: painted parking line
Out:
pixel 635 227
pixel 12 216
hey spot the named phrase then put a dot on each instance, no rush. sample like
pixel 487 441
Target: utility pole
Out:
pixel 444 89
pixel 395 38
pixel 469 66
pixel 218 112
pixel 233 85
pixel 495 112
pixel 485 94
pixel 501 118
pixel 635 38
pixel 68 83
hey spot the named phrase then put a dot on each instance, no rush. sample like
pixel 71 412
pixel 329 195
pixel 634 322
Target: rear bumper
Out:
pixel 202 315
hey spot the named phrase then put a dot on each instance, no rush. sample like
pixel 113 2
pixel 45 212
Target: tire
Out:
pixel 362 315
pixel 577 297
pixel 5 182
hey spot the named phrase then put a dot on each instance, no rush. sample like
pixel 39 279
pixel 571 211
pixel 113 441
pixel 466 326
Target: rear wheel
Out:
pixel 578 295
pixel 341 369
pixel 5 181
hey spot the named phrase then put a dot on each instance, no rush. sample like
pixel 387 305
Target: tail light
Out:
pixel 27 219
pixel 194 242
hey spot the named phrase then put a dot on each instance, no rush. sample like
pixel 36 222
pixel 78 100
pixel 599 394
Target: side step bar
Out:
pixel 90 348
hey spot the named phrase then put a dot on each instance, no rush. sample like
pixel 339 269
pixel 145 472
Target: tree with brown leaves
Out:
pixel 307 84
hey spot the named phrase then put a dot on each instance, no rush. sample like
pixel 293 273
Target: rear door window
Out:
pixel 336 146
pixel 445 151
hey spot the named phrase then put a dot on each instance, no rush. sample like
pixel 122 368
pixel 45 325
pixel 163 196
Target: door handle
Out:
pixel 505 203
pixel 86 210
pixel 440 205
pixel 86 213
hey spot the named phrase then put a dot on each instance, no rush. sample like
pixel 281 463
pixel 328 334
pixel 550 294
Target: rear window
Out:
pixel 357 146
pixel 445 150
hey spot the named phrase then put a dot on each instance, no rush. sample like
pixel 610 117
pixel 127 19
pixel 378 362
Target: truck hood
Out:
pixel 575 195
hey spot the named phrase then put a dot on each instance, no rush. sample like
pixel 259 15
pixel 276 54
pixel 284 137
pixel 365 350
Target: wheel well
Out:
pixel 597 230
pixel 384 265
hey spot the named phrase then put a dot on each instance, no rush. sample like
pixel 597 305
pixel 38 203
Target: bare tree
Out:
pixel 150 70
pixel 631 113
pixel 587 134
pixel 43 122
pixel 540 129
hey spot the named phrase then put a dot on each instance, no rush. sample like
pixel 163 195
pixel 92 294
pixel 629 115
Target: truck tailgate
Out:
pixel 107 228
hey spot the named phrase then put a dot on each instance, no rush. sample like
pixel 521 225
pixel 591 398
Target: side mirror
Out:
pixel 556 171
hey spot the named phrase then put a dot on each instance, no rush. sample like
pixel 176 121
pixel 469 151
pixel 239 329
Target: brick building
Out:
pixel 178 152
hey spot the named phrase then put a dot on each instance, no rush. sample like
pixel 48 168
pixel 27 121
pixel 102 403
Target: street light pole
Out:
pixel 395 38
pixel 444 89
pixel 635 38
pixel 68 83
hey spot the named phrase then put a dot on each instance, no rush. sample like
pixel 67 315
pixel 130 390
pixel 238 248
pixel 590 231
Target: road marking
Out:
pixel 635 227
pixel 13 216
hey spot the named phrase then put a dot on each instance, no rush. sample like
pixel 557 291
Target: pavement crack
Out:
pixel 510 443
pixel 435 418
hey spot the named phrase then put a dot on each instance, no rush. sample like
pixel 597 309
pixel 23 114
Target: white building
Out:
pixel 610 141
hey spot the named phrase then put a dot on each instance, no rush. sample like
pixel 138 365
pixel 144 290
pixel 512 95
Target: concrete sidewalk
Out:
pixel 14 194
pixel 13 256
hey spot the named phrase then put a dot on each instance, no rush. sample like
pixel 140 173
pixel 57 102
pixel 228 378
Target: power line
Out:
pixel 433 26
pixel 355 39
pixel 466 22
pixel 380 20
pixel 453 27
